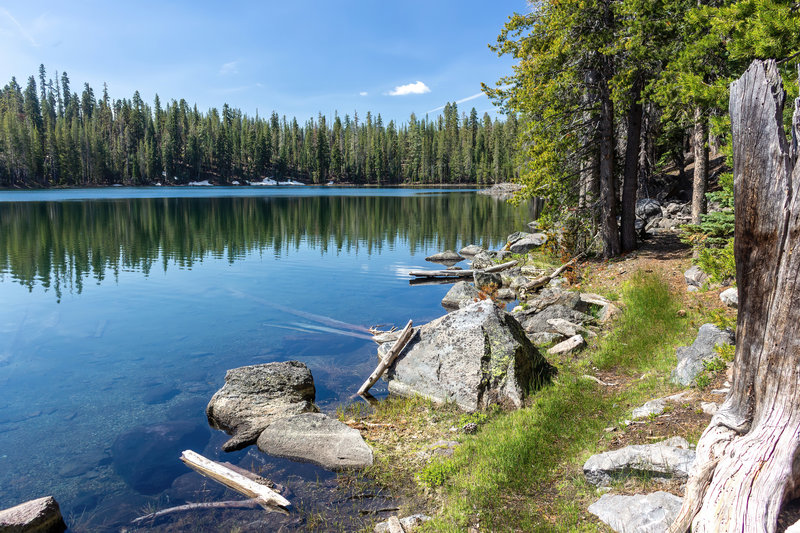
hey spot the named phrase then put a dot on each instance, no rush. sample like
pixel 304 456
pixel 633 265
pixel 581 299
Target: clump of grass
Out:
pixel 650 324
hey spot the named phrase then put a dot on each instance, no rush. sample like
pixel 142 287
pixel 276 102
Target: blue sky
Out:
pixel 297 57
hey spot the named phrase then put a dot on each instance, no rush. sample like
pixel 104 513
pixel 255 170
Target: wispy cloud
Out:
pixel 410 88
pixel 19 26
pixel 232 67
pixel 363 93
pixel 467 99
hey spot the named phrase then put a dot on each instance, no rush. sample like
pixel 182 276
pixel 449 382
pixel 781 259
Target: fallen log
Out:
pixel 234 480
pixel 460 273
pixel 544 280
pixel 401 342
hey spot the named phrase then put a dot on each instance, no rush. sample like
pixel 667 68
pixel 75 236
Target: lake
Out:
pixel 121 309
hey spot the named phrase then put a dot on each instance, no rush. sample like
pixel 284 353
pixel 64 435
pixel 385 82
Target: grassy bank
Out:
pixel 522 470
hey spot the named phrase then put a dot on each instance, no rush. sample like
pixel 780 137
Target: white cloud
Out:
pixel 232 67
pixel 363 93
pixel 411 88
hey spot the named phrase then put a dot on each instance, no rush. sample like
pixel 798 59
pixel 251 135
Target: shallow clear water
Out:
pixel 123 308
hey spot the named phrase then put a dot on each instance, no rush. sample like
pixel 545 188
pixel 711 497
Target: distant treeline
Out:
pixel 51 136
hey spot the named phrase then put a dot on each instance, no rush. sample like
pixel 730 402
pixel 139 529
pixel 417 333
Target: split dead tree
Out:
pixel 747 459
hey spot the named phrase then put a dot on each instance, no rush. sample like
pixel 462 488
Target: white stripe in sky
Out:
pixel 467 99
pixel 22 30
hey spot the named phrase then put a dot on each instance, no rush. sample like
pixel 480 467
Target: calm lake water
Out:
pixel 121 309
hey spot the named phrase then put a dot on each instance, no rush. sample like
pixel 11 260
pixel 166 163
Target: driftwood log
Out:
pixel 460 273
pixel 746 466
pixel 540 282
pixel 398 346
pixel 234 480
pixel 201 506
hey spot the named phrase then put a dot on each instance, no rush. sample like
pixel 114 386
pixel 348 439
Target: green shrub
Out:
pixel 437 472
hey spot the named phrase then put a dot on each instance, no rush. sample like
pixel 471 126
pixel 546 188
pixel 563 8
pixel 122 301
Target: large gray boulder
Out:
pixel 459 295
pixel 476 357
pixel 528 243
pixel 471 249
pixel 481 261
pixel 640 513
pixel 40 516
pixel 316 438
pixel 487 280
pixel 671 458
pixel 647 208
pixel 690 358
pixel 255 396
pixel 550 296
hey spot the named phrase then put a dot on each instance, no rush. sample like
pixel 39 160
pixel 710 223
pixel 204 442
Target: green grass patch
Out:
pixel 522 471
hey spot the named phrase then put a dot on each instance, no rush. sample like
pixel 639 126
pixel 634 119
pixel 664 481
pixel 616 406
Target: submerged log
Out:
pixel 401 342
pixel 468 273
pixel 746 466
pixel 242 504
pixel 234 480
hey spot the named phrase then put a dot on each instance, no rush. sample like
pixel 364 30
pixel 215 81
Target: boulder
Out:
pixel 40 516
pixel 471 249
pixel 528 243
pixel 485 280
pixel 459 295
pixel 671 458
pixel 505 294
pixel 448 256
pixel 537 323
pixel 409 523
pixel 146 456
pixel 567 346
pixel 690 358
pixel 254 396
pixel 516 282
pixel 517 235
pixel 476 357
pixel 318 439
pixel 730 297
pixel 647 208
pixel 545 337
pixel 695 277
pixel 640 513
pixel 481 261
pixel 656 407
pixel 608 313
pixel 568 329
pixel 551 296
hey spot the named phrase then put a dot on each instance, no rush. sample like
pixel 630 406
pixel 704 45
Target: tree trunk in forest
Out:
pixel 746 465
pixel 630 179
pixel 700 166
pixel 590 173
pixel 609 231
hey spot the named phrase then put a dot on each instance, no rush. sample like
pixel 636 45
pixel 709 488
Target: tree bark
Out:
pixel 746 464
pixel 630 180
pixel 609 231
pixel 700 166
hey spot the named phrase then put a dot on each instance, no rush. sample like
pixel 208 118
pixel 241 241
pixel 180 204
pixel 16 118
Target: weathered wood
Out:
pixel 234 480
pixel 242 504
pixel 544 280
pixel 468 273
pixel 746 464
pixel 700 182
pixel 401 342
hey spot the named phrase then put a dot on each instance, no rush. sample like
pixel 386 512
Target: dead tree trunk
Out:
pixel 609 230
pixel 700 183
pixel 747 459
pixel 630 178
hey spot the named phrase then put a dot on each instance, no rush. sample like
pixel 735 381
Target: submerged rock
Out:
pixel 476 357
pixel 690 358
pixel 461 294
pixel 640 513
pixel 40 516
pixel 316 438
pixel 146 456
pixel 671 458
pixel 254 396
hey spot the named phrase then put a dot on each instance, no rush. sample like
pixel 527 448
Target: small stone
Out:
pixel 730 297
pixel 40 515
pixel 567 346
pixel 470 428
pixel 408 523
pixel 709 408
pixel 695 276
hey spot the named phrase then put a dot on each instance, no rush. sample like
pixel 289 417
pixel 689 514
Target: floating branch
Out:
pixel 401 342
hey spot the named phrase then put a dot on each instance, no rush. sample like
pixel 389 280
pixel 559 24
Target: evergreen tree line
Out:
pixel 51 136
pixel 613 93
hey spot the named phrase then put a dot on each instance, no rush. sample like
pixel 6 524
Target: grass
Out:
pixel 521 472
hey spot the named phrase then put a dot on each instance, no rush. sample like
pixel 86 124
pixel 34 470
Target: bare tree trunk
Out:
pixel 609 231
pixel 700 165
pixel 590 173
pixel 630 179
pixel 746 464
